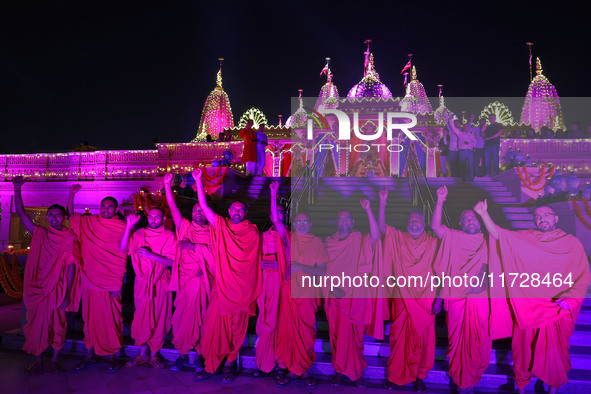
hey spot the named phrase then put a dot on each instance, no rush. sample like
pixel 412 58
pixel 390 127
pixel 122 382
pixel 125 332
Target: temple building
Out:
pixel 542 104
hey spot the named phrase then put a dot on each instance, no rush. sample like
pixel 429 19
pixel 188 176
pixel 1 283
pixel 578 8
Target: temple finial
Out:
pixel 413 74
pixel 538 66
pixel 301 102
pixel 219 76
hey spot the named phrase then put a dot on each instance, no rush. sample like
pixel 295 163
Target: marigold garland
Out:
pixel 580 214
pixel 529 184
pixel 219 181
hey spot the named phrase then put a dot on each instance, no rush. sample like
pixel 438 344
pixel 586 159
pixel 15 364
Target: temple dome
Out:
pixel 329 95
pixel 217 113
pixel 415 100
pixel 542 104
pixel 299 118
pixel 370 85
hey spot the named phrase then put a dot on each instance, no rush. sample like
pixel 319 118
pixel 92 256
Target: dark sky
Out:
pixel 119 73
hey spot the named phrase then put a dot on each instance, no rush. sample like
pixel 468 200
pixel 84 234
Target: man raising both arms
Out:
pixel 238 283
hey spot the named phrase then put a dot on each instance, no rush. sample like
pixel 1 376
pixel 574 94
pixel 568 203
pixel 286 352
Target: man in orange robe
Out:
pixel 545 314
pixel 462 253
pixel 412 334
pixel 102 270
pixel 192 277
pixel 267 321
pixel 49 277
pixel 152 250
pixel 303 256
pixel 352 311
pixel 238 284
pixel 249 153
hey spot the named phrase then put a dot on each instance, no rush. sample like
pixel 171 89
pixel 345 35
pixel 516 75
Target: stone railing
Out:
pixel 568 154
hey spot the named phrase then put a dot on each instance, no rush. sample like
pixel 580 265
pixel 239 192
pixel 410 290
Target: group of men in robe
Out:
pixel 222 269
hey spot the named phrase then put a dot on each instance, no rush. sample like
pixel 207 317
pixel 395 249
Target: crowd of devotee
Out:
pixel 205 279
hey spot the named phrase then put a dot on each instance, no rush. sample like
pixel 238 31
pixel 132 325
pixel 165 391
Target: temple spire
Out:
pixel 413 74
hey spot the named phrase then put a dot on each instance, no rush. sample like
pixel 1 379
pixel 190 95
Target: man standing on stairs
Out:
pixel 462 253
pixel 249 152
pixel 412 334
pixel 49 277
pixel 152 250
pixel 192 277
pixel 102 270
pixel 237 285
pixel 268 302
pixel 303 255
pixel 352 311
pixel 492 144
pixel 544 316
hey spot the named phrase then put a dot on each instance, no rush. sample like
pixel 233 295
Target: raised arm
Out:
pixel 374 231
pixel 131 221
pixel 18 182
pixel 73 190
pixel 207 211
pixel 279 225
pixel 436 225
pixel 481 208
pixel 382 210
pixel 450 123
pixel 175 212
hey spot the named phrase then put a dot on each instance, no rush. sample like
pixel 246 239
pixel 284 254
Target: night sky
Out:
pixel 120 73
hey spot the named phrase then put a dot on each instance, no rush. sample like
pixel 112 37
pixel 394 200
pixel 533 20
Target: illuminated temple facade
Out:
pixel 124 173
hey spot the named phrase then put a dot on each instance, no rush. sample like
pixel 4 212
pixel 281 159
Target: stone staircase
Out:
pixel 334 194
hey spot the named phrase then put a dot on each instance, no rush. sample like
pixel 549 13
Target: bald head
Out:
pixel 155 218
pixel 345 222
pixel 302 223
pixel 545 218
pixel 415 223
pixel 469 222
pixel 237 211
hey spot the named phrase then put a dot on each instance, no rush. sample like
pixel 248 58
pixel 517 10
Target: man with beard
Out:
pixel 544 316
pixel 463 253
pixel 412 334
pixel 267 321
pixel 192 277
pixel 152 250
pixel 352 311
pixel 103 268
pixel 238 283
pixel 48 281
pixel 303 256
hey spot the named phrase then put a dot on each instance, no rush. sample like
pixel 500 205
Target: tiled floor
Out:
pixel 97 380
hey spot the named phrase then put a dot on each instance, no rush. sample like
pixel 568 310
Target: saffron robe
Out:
pixel 153 302
pixel 412 334
pixel 542 328
pixel 360 310
pixel 238 283
pixel 192 277
pixel 44 287
pixel 297 315
pixel 468 333
pixel 103 266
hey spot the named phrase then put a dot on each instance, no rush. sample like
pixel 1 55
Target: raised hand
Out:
pixel 383 194
pixel 274 187
pixel 18 181
pixel 168 177
pixel 481 207
pixel 365 204
pixel 75 188
pixel 442 193
pixel 197 173
pixel 143 252
pixel 132 219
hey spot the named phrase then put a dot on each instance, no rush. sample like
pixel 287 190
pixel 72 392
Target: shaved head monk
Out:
pixel 297 312
pixel 192 277
pixel 412 334
pixel 102 269
pixel 545 316
pixel 238 284
pixel 463 252
pixel 349 312
pixel 268 302
pixel 49 277
pixel 152 250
